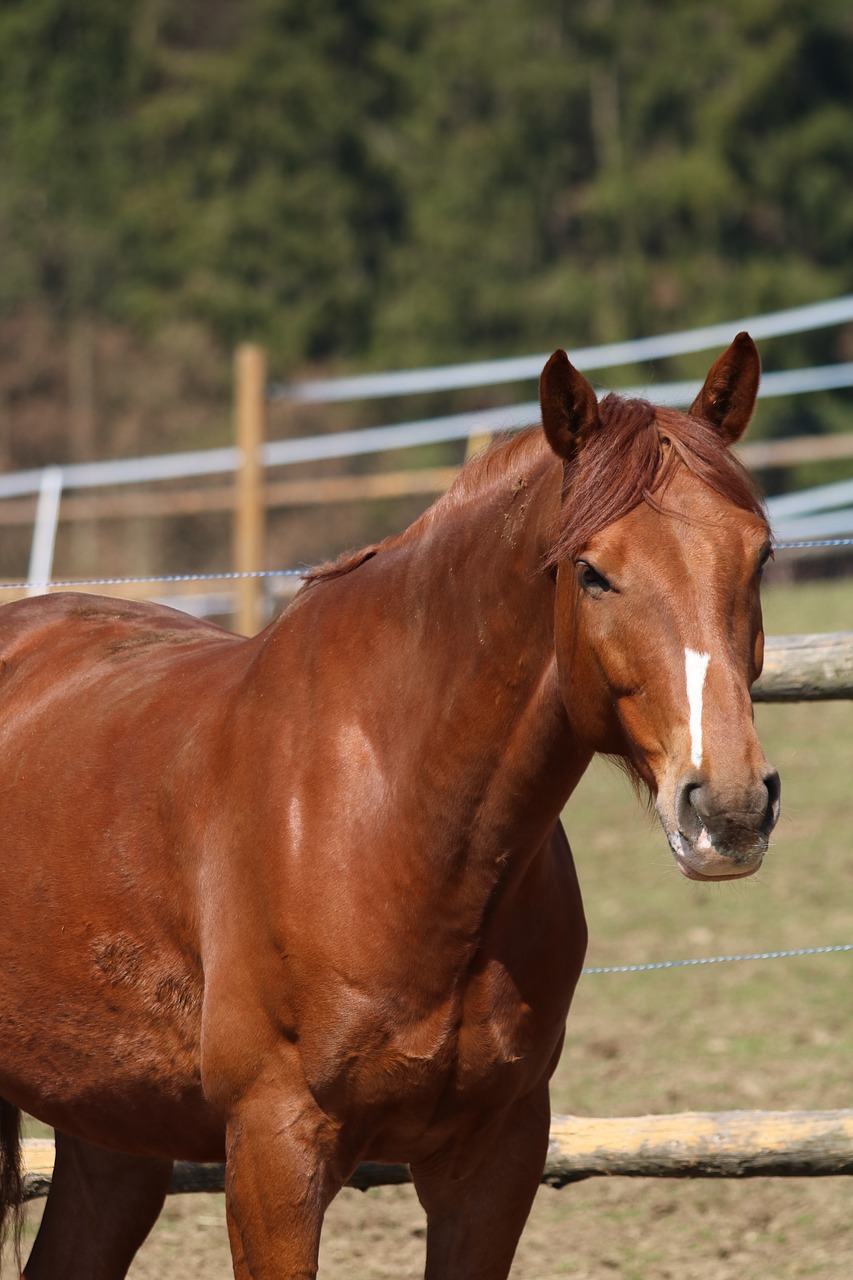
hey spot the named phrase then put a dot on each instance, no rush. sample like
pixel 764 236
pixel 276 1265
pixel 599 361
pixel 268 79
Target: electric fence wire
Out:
pixel 70 583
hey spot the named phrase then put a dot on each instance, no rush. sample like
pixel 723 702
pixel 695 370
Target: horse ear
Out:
pixel 728 397
pixel 569 405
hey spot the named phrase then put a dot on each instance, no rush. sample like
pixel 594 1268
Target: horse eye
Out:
pixel 767 556
pixel 591 580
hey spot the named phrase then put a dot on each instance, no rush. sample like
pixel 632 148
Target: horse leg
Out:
pixel 478 1193
pixel 280 1178
pixel 100 1208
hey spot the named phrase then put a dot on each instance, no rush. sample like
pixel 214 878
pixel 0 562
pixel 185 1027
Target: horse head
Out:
pixel 658 559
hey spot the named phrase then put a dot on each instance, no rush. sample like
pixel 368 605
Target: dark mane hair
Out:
pixel 630 460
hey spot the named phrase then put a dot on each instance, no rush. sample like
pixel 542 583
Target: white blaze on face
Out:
pixel 695 666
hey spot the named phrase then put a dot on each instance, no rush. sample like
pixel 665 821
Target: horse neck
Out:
pixel 457 685
pixel 480 607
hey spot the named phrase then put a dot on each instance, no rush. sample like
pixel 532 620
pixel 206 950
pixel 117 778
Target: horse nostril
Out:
pixel 773 786
pixel 688 817
pixel 732 821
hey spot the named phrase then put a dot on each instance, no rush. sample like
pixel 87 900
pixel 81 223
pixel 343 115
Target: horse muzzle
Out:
pixel 721 835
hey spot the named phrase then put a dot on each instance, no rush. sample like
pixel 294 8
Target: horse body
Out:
pixel 99 857
pixel 304 899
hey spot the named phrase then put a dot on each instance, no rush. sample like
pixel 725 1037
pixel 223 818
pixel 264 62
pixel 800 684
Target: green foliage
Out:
pixel 66 81
pixel 364 180
pixel 273 202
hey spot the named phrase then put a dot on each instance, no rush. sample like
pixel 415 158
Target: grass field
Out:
pixel 770 1035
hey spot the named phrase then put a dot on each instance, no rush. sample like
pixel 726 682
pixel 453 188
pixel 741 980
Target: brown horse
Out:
pixel 303 899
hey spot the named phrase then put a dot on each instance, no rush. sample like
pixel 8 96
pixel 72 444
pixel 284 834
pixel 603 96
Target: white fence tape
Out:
pixel 486 373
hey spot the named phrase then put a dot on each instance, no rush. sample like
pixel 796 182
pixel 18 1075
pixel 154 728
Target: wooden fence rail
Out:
pixel 721 1144
pixel 808 668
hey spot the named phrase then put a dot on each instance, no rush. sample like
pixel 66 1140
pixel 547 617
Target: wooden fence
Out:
pixel 807 668
pixel 721 1144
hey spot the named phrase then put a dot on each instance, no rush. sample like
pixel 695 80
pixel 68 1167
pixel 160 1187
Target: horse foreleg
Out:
pixel 100 1208
pixel 280 1178
pixel 478 1193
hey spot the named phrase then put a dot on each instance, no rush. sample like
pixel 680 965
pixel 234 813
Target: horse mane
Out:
pixel 344 563
pixel 630 459
pixel 508 452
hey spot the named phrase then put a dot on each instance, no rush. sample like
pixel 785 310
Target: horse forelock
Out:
pixel 631 459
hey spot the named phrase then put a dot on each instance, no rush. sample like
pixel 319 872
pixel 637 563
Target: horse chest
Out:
pixel 400 1085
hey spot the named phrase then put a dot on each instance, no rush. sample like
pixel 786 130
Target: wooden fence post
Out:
pixel 250 382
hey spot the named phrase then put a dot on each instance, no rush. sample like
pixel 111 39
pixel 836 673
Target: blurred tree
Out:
pixel 273 200
pixel 591 170
pixel 67 80
pixel 365 180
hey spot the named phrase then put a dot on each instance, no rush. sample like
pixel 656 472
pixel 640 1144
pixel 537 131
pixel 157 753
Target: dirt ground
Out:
pixel 758 1229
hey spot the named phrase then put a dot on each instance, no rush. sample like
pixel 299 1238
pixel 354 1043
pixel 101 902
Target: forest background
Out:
pixel 366 184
